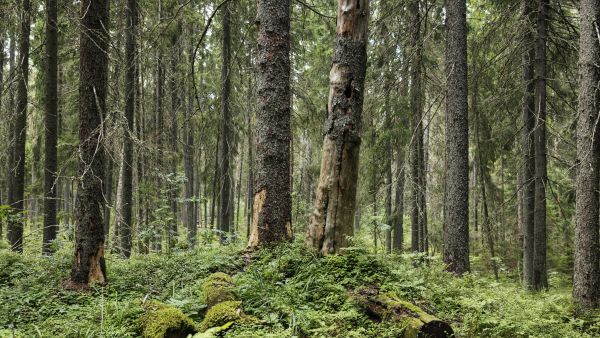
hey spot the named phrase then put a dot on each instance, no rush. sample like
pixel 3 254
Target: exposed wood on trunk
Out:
pixel 333 213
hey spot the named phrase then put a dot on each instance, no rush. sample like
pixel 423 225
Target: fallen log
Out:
pixel 388 307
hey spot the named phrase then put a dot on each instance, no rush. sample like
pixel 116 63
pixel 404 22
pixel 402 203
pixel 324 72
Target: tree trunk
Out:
pixel 51 125
pixel 456 215
pixel 586 278
pixel 272 206
pixel 225 208
pixel 176 86
pixel 333 213
pixel 88 262
pixel 215 185
pixel 416 107
pixel 398 243
pixel 128 164
pixel 14 229
pixel 188 163
pixel 239 187
pixel 540 278
pixel 11 124
pixel 528 145
pixel 250 190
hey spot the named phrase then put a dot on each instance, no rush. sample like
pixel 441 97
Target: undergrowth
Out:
pixel 292 292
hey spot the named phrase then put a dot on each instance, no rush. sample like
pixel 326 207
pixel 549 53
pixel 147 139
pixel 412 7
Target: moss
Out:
pixel 222 313
pixel 163 321
pixel 217 288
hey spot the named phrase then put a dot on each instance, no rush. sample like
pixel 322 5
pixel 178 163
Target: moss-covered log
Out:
pixel 388 307
pixel 223 308
pixel 217 288
pixel 163 321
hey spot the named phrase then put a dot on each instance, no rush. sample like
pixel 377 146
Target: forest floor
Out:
pixel 292 292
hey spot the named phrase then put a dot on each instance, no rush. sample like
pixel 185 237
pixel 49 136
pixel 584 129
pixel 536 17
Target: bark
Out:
pixel 88 263
pixel 11 111
pixel 51 126
pixel 188 164
pixel 398 243
pixel 14 229
pixel 540 278
pixel 333 212
pixel 225 207
pixel 250 190
pixel 272 205
pixel 416 153
pixel 2 57
pixel 456 217
pixel 528 146
pixel 239 189
pixel 128 164
pixel 586 278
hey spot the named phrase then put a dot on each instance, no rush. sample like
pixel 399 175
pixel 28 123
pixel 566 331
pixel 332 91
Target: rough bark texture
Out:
pixel 333 212
pixel 11 110
pixel 250 191
pixel 14 231
pixel 88 263
pixel 51 127
pixel 540 278
pixel 191 208
pixel 398 242
pixel 225 207
pixel 528 149
pixel 130 70
pixel 272 206
pixel 456 216
pixel 586 278
pixel 416 146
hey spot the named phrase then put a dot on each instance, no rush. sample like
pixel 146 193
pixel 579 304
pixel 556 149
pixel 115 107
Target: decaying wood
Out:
pixel 387 307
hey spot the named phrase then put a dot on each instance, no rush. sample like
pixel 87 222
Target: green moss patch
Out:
pixel 163 321
pixel 217 288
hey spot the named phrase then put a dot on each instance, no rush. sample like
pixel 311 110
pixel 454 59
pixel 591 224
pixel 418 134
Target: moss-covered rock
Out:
pixel 163 321
pixel 217 288
pixel 221 314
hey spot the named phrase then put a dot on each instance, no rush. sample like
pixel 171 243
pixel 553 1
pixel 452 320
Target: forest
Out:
pixel 299 168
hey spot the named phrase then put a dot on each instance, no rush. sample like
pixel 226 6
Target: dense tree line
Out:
pixel 165 125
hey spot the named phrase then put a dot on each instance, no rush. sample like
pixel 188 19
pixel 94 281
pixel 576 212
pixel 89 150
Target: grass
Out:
pixel 292 292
